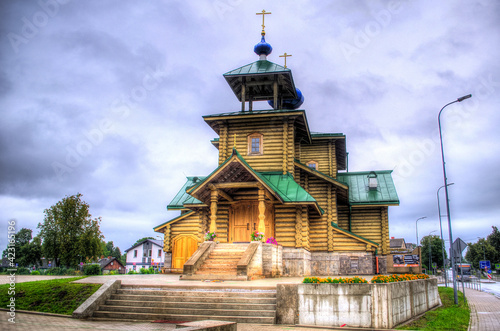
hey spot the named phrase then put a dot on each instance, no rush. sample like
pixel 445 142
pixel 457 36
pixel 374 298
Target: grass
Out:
pixel 447 317
pixel 56 296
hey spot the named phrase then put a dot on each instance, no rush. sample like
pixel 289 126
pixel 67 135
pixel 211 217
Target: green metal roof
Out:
pixel 324 134
pixel 359 194
pixel 288 189
pixel 258 67
pixel 283 186
pixel 255 112
pixel 181 197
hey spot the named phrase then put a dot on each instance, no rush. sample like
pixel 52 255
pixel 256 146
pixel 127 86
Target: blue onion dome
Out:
pixel 291 103
pixel 263 48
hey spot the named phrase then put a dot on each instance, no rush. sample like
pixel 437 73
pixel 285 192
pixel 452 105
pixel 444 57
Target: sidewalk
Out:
pixel 484 311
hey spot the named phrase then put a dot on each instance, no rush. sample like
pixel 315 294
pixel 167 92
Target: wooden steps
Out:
pixel 236 304
pixel 222 261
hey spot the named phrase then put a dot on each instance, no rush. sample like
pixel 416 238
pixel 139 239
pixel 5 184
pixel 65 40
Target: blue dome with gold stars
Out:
pixel 263 48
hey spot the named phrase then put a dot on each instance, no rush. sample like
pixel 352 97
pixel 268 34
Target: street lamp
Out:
pixel 442 240
pixel 430 256
pixel 447 199
pixel 416 226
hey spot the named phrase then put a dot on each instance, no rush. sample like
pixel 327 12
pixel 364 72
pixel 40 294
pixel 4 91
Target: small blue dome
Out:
pixel 291 103
pixel 263 47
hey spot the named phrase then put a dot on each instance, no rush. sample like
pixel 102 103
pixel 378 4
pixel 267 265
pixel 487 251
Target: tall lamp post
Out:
pixel 416 226
pixel 447 199
pixel 442 240
pixel 430 246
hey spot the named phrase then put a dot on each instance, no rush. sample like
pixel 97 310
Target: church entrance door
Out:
pixel 244 219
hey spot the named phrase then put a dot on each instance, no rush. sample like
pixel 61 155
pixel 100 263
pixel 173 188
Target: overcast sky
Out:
pixel 105 98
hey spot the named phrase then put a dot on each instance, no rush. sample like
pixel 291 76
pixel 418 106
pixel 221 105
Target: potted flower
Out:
pixel 257 236
pixel 210 236
pixel 271 240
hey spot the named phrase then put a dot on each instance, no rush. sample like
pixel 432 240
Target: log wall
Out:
pixel 323 152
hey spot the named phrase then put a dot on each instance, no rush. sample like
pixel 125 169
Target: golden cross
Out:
pixel 285 56
pixel 264 13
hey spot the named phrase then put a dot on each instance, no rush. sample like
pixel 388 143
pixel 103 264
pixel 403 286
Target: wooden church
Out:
pixel 277 177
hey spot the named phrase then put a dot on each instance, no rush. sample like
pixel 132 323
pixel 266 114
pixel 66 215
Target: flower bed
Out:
pixel 360 280
pixel 353 280
pixel 397 278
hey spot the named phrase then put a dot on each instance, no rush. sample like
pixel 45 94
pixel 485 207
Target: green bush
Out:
pixel 36 272
pixel 92 269
pixel 132 272
pixel 22 271
pixel 144 271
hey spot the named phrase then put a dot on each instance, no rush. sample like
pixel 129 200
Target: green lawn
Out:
pixel 56 296
pixel 447 317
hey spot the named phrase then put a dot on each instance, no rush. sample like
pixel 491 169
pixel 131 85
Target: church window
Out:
pixel 312 165
pixel 255 146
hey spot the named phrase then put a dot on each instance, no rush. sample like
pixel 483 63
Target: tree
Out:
pixel 142 239
pixel 482 250
pixel 27 251
pixel 110 250
pixel 435 244
pixel 69 234
pixel 494 240
pixel 21 237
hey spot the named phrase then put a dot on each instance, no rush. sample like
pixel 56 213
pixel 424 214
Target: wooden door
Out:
pixel 245 220
pixel 242 221
pixel 183 248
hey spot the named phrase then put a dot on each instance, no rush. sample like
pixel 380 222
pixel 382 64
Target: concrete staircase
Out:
pixel 191 303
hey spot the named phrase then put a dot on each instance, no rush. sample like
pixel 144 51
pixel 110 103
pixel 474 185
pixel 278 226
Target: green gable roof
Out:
pixel 257 67
pixel 181 197
pixel 359 194
pixel 288 189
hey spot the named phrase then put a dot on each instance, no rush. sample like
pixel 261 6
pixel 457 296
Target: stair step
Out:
pixel 186 311
pixel 198 299
pixel 192 305
pixel 194 294
pixel 182 300
pixel 167 317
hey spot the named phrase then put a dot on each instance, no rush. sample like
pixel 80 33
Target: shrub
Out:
pixel 143 271
pixel 113 272
pixel 22 271
pixel 132 272
pixel 92 269
pixel 35 272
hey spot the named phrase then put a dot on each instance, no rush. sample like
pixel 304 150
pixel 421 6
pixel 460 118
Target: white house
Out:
pixel 145 254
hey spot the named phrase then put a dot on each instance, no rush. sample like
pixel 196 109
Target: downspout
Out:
pixel 350 217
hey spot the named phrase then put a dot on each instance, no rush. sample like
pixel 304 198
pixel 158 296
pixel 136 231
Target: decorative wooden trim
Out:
pixel 261 144
pixel 298 226
pixel 166 239
pixel 262 211
pixel 329 217
pixel 315 163
pixel 213 211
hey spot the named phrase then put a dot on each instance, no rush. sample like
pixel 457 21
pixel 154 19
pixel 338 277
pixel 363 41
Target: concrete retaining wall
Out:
pixel 300 262
pixel 357 305
pixel 87 308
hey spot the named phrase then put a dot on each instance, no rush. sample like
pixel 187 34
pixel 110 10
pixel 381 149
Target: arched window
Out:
pixel 255 144
pixel 312 165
